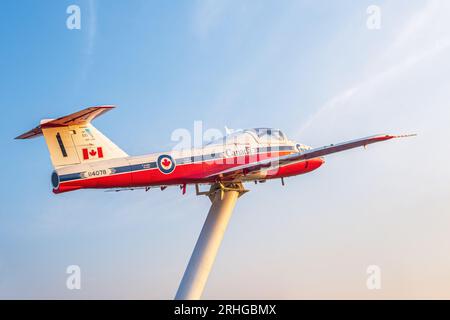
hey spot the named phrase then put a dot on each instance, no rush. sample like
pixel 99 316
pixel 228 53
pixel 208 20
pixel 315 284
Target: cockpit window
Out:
pixel 250 136
pixel 238 137
pixel 268 135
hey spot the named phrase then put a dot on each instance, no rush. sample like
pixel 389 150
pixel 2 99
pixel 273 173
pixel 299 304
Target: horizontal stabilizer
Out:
pixel 78 118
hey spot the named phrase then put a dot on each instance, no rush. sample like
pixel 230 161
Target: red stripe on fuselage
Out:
pixel 187 173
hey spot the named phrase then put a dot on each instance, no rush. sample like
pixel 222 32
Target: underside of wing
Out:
pixel 276 162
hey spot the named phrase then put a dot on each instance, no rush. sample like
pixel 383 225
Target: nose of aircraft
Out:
pixel 317 162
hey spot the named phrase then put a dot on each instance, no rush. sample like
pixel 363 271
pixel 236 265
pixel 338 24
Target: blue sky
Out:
pixel 311 68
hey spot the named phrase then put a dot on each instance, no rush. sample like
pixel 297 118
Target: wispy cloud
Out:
pixel 208 14
pixel 91 34
pixel 420 39
pixel 92 31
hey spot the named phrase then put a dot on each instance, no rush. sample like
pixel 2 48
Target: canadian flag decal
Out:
pixel 92 153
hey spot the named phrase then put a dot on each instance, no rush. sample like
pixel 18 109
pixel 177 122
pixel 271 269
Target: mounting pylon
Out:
pixel 223 197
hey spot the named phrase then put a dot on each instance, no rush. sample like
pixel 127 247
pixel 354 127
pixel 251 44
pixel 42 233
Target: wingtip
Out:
pixel 107 106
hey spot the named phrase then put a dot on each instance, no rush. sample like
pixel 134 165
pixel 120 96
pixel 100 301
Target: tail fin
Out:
pixel 73 139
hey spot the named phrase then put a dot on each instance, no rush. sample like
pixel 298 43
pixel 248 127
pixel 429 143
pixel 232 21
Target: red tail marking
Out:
pixel 85 154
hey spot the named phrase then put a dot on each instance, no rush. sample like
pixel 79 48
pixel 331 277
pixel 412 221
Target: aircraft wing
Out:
pixel 303 156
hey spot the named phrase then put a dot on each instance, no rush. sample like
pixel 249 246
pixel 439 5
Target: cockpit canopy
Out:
pixel 250 136
pixel 269 135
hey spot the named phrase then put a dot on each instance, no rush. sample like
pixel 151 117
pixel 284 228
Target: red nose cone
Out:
pixel 316 162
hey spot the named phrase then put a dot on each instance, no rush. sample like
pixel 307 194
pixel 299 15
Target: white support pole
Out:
pixel 208 243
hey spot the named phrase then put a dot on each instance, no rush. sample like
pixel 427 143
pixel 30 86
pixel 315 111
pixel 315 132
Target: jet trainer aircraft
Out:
pixel 84 158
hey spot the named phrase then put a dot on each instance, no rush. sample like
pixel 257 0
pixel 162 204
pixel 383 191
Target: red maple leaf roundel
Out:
pixel 165 164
